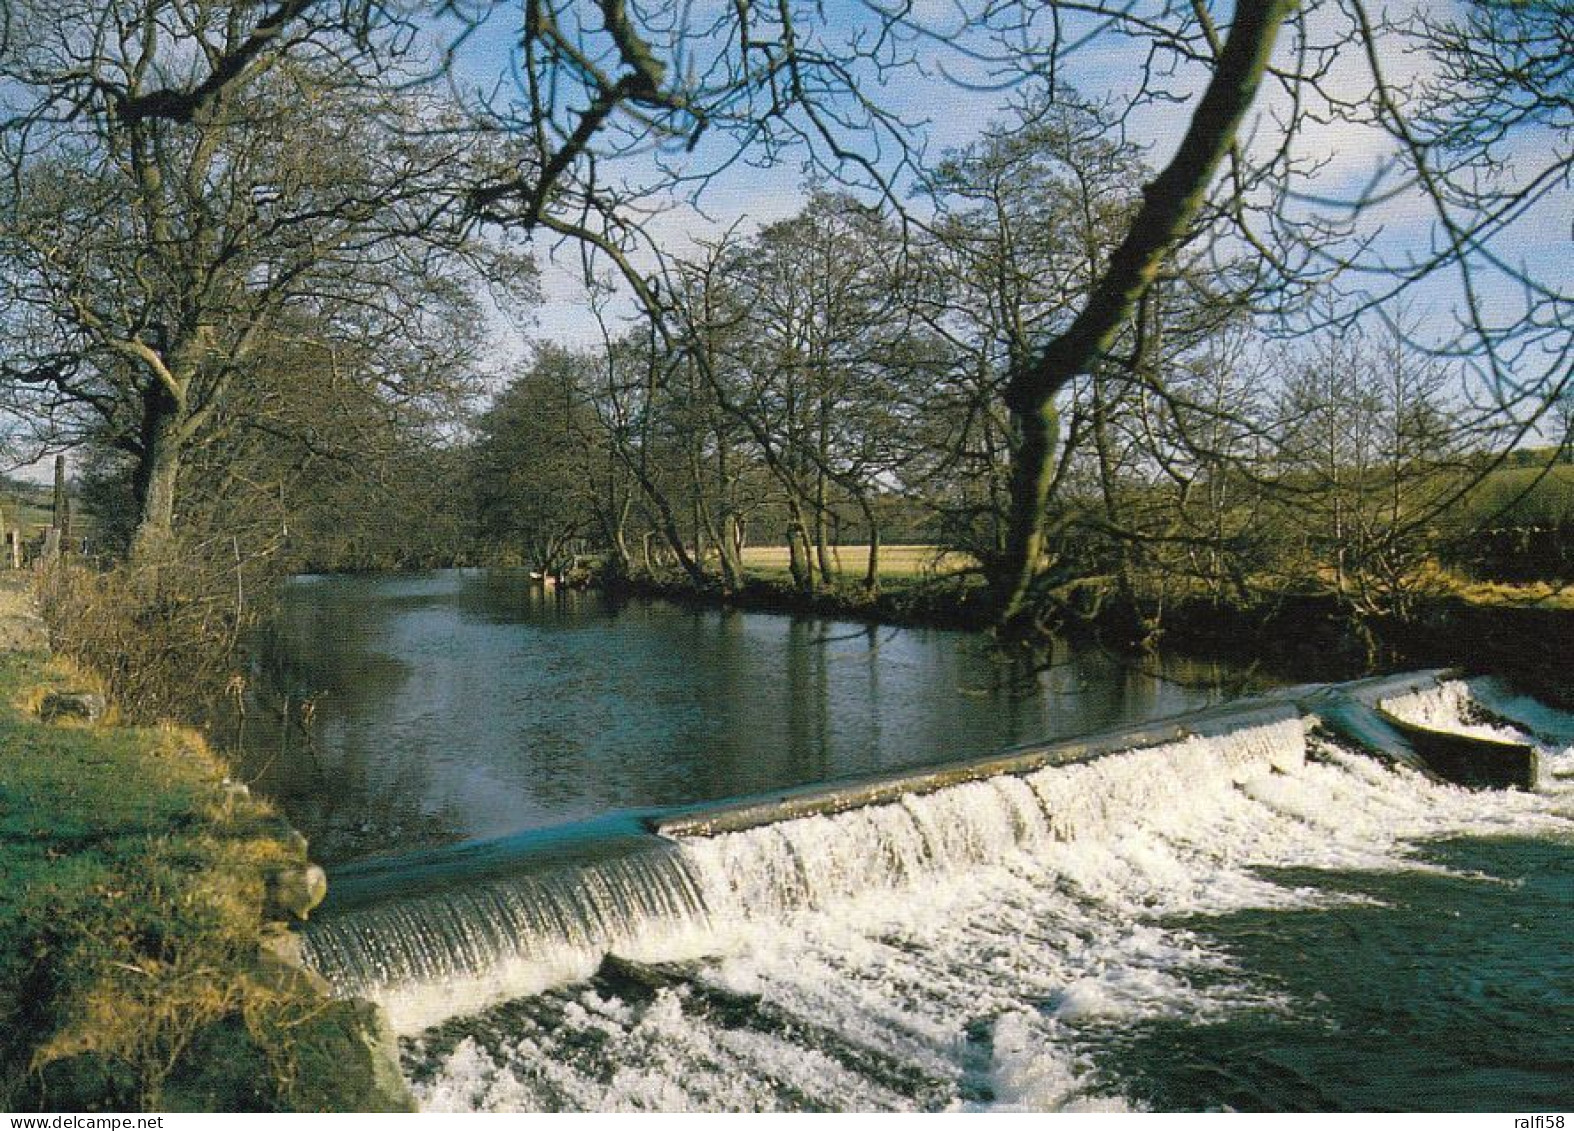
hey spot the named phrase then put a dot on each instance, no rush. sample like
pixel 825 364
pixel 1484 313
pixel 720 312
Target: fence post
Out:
pixel 60 492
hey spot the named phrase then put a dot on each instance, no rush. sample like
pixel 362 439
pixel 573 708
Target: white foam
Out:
pixel 1450 706
pixel 456 952
pixel 981 935
pixel 1488 708
pixel 1031 1072
pixel 1551 726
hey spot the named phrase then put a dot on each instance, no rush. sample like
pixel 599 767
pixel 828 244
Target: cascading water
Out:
pixel 1025 940
pixel 816 862
pixel 1451 705
pixel 459 950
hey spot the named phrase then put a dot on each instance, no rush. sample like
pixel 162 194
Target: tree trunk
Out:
pixel 1170 203
pixel 155 478
pixel 1032 473
pixel 802 578
pixel 1107 488
pixel 668 525
pixel 800 549
pixel 872 573
pixel 822 545
pixel 660 510
pixel 727 555
pixel 618 539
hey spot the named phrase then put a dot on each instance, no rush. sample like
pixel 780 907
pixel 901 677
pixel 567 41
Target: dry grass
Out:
pixel 896 562
pixel 1539 594
pixel 131 895
pixel 131 888
pixel 162 639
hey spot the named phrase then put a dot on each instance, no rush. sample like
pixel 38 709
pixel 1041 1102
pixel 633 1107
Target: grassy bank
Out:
pixel 138 966
pixel 950 601
pixel 896 563
pixel 1525 631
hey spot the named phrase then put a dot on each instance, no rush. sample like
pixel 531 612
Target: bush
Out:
pixel 163 637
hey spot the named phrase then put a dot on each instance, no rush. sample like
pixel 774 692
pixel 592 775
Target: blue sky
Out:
pixel 950 98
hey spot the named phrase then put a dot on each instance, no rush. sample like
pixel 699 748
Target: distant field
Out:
pixel 853 561
pixel 1539 594
pixel 31 510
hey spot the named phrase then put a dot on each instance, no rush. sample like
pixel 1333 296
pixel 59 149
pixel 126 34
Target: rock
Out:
pixel 281 943
pixel 389 1090
pixel 291 893
pixel 86 705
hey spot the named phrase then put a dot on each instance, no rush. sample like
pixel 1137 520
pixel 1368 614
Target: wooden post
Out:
pixel 57 522
pixel 16 547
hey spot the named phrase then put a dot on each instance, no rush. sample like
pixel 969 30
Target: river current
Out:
pixel 1264 918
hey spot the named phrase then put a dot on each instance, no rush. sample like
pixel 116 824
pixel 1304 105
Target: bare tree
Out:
pixel 152 243
pixel 804 334
pixel 612 112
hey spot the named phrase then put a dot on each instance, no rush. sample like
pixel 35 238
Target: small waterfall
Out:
pixel 1486 708
pixel 1554 728
pixel 775 870
pixel 1450 705
pixel 456 951
pixel 457 931
pixel 1007 941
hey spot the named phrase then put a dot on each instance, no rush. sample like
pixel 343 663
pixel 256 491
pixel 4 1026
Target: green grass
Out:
pixel 131 895
pixel 1519 496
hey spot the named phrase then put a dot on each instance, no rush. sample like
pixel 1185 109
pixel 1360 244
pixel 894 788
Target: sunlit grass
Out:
pixel 902 563
pixel 131 897
pixel 1539 594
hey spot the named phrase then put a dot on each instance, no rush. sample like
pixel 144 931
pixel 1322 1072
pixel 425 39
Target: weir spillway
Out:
pixel 457 930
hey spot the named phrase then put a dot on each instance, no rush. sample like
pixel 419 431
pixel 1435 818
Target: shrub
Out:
pixel 163 637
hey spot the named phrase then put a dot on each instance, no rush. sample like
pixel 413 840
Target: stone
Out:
pixel 88 706
pixel 281 943
pixel 291 893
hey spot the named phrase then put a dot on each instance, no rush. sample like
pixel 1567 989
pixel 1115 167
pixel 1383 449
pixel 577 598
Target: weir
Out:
pixel 453 930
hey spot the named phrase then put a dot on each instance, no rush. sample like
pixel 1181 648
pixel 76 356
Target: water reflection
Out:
pixel 468 703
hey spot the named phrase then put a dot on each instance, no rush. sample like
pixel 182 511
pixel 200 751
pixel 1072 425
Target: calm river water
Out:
pixel 465 703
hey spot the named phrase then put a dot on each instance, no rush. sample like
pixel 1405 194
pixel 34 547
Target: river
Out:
pixel 1258 916
pixel 466 703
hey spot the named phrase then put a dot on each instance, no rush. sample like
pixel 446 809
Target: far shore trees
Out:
pixel 1316 168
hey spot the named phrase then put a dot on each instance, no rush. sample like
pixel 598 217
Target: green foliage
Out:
pixel 532 485
pixel 1517 524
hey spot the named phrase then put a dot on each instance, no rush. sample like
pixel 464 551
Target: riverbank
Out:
pixel 144 964
pixel 947 602
pixel 1309 635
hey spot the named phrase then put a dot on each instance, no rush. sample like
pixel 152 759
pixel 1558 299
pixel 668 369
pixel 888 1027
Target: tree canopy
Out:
pixel 191 184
